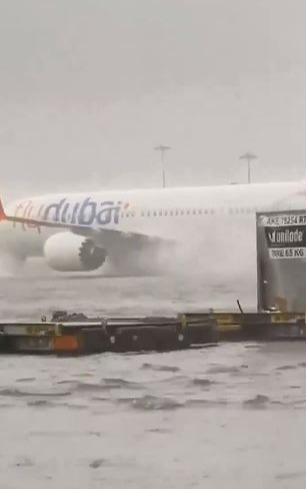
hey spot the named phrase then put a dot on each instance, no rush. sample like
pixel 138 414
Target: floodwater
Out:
pixel 230 416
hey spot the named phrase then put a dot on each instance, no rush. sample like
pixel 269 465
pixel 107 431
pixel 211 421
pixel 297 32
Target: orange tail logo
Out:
pixel 2 213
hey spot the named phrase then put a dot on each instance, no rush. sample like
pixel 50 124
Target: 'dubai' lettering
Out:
pixel 84 213
pixel 109 213
pixel 88 212
pixel 53 211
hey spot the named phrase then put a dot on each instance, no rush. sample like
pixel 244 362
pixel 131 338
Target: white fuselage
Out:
pixel 203 213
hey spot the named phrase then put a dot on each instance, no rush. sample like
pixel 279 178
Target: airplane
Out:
pixel 140 231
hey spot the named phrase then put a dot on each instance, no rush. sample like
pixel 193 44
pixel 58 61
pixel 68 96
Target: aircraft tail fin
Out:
pixel 2 213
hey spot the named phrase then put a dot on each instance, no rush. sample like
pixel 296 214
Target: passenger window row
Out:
pixel 190 212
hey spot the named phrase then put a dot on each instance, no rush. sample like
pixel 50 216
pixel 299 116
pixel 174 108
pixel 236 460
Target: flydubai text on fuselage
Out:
pixel 74 210
pixel 122 219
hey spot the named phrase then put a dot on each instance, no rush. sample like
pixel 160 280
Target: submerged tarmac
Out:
pixel 231 416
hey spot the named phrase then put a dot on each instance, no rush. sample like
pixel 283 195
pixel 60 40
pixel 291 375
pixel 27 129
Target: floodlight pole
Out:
pixel 248 157
pixel 162 148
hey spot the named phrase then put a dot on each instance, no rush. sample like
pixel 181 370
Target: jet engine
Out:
pixel 67 252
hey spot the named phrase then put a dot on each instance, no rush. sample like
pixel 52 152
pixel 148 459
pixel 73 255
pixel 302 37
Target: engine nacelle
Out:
pixel 67 252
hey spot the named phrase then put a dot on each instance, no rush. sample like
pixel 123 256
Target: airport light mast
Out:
pixel 162 148
pixel 248 157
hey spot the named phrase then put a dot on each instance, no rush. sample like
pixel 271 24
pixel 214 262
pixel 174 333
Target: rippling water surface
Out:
pixel 229 416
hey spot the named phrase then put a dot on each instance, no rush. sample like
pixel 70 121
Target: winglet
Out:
pixel 2 213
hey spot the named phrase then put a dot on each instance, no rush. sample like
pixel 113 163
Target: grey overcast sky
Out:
pixel 89 87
